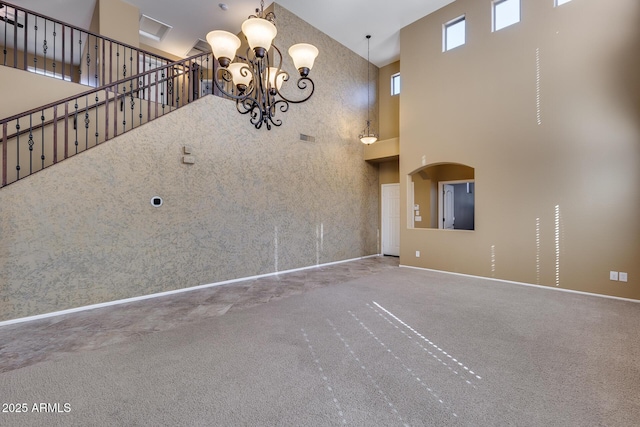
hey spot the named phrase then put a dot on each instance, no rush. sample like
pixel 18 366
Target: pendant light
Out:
pixel 368 136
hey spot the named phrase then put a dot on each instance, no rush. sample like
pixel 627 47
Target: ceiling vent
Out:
pixel 200 46
pixel 153 29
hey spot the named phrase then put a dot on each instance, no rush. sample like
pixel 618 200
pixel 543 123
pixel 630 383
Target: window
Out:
pixel 505 13
pixel 561 2
pixel 395 84
pixel 454 34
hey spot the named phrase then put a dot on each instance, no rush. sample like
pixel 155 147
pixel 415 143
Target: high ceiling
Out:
pixel 347 21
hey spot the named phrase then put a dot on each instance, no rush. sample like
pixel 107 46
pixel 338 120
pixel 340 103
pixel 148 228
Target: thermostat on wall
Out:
pixel 156 201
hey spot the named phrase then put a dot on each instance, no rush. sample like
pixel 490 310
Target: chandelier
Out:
pixel 368 136
pixel 255 80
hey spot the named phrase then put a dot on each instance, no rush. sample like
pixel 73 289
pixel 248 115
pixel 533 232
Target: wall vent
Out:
pixel 153 29
pixel 200 46
pixel 308 138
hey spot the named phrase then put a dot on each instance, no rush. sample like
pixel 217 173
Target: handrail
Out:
pixel 170 86
pixel 39 15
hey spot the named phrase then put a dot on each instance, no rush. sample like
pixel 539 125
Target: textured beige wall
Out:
pixel 84 231
pixel 562 192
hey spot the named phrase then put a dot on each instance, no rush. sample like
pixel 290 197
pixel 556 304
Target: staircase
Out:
pixel 126 88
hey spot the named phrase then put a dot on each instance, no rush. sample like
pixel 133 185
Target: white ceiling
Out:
pixel 347 21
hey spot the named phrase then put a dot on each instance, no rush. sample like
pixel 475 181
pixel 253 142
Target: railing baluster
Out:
pixel 66 129
pixel 35 45
pixel 54 49
pixel 95 60
pixel 104 61
pixel 42 156
pixel 55 134
pixel 45 48
pixel 64 31
pixel 140 84
pixel 30 143
pixel 15 40
pixel 75 125
pixel 80 56
pixel 162 88
pixel 71 62
pixel 18 149
pixel 110 62
pixel 86 122
pixel 106 115
pixel 26 25
pixel 88 59
pixel 4 153
pixel 115 112
pixel 156 91
pixel 133 103
pixel 4 49
pixel 97 120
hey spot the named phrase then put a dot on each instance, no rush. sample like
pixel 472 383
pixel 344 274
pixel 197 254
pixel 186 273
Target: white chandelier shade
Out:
pixel 303 55
pixel 223 45
pixel 260 34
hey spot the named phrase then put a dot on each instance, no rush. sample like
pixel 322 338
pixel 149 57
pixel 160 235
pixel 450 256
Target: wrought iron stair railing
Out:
pixel 33 42
pixel 38 138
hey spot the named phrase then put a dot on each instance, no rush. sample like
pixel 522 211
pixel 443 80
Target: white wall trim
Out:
pixel 176 291
pixel 551 288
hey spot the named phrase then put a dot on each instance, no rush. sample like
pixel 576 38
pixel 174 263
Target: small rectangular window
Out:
pixel 505 13
pixel 561 2
pixel 454 34
pixel 395 84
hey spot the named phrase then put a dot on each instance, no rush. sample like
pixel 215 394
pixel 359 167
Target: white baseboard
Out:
pixel 176 291
pixel 551 288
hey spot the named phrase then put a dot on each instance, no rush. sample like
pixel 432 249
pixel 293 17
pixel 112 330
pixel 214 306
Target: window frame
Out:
pixel 494 5
pixel 393 85
pixel 450 24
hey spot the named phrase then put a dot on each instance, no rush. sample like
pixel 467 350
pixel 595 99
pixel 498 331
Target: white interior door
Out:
pixel 391 219
pixel 448 217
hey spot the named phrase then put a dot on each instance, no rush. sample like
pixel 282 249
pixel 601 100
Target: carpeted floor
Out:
pixel 392 347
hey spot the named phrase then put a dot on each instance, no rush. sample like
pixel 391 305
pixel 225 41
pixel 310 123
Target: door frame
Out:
pixel 441 185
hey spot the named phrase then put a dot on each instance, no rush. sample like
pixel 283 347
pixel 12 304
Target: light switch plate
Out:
pixel 613 275
pixel 417 254
pixel 418 219
pixel 622 276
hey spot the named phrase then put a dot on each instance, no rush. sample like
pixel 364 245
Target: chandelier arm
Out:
pixel 226 76
pixel 257 117
pixel 302 85
pixel 248 104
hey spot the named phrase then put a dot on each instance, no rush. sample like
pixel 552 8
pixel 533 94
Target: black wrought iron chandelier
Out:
pixel 255 80
pixel 368 136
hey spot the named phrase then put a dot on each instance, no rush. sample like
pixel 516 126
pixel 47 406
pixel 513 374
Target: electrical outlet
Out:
pixel 417 254
pixel 613 275
pixel 622 276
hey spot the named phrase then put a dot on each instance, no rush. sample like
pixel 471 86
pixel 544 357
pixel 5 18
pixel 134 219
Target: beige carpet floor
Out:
pixel 393 347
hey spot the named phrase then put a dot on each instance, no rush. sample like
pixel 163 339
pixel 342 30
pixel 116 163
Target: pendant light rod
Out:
pixel 368 76
pixel 368 137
